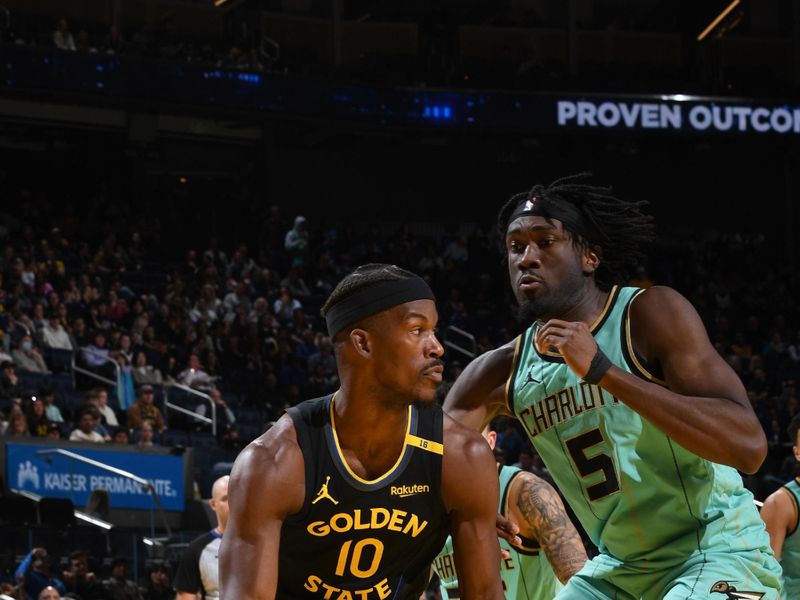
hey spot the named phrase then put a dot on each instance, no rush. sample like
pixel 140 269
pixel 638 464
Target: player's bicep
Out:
pixel 677 341
pixel 250 547
pixel 470 491
pixel 479 393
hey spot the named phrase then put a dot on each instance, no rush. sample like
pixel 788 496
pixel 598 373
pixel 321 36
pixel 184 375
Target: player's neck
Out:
pixel 371 435
pixel 587 308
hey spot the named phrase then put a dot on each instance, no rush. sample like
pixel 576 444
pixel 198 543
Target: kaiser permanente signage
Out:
pixel 58 476
pixel 678 113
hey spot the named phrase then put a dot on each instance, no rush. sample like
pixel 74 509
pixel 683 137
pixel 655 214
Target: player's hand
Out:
pixel 571 339
pixel 507 530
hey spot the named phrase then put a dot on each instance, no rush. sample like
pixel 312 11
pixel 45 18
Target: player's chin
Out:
pixel 427 392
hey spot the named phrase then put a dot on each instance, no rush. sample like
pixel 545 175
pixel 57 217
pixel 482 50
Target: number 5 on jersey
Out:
pixel 589 462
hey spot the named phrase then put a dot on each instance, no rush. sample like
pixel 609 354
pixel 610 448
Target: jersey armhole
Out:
pixel 636 363
pixel 509 387
pixel 796 510
pixel 304 441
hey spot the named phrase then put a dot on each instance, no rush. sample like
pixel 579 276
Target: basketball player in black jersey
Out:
pixel 350 496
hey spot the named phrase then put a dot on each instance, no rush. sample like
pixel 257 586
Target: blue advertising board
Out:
pixel 55 475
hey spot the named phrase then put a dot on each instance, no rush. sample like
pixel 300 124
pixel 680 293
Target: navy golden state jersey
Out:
pixel 357 539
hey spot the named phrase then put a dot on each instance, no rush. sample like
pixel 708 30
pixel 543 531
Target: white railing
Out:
pixel 97 376
pixel 449 343
pixel 146 484
pixel 171 406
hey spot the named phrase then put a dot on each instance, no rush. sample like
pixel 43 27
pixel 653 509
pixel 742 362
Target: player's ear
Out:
pixel 359 339
pixel 591 259
pixel 796 452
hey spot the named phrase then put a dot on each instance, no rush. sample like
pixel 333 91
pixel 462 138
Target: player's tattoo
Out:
pixel 544 512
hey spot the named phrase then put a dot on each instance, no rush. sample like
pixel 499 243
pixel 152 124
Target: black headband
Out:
pixel 572 217
pixel 374 299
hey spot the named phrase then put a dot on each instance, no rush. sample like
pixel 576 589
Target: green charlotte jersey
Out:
pixel 526 574
pixel 790 551
pixel 641 497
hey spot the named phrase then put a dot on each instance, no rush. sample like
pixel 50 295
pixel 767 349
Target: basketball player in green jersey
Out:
pixel 780 513
pixel 551 550
pixel 639 420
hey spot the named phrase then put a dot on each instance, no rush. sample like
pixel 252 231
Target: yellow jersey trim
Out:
pixel 423 444
pixel 629 342
pixel 347 466
pixel 513 374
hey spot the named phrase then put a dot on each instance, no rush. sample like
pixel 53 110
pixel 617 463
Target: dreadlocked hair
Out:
pixel 362 277
pixel 621 225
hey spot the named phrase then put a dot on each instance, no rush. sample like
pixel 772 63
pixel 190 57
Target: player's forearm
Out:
pixel 718 429
pixel 543 514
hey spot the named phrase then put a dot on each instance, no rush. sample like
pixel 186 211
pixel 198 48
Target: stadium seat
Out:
pixel 18 510
pixel 58 513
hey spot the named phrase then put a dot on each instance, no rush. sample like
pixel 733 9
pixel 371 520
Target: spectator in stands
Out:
pixel 17 423
pixel 79 333
pixel 98 397
pixel 157 585
pixel 38 423
pixel 237 296
pixel 194 376
pixel 49 593
pixel 54 335
pixel 97 356
pixel 202 312
pixel 144 373
pixel 78 579
pixel 225 415
pixel 98 503
pixel 62 37
pixel 296 241
pixel 114 43
pixel 88 420
pixel 121 436
pixel 295 283
pixel 285 305
pixel 10 387
pixel 259 311
pixel 51 409
pixel 144 436
pixel 125 348
pixel 144 410
pixel 198 570
pixel 53 432
pixel 28 358
pixel 34 571
pixel 118 585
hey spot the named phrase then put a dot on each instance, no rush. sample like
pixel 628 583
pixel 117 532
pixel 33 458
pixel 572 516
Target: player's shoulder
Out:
pixel 462 443
pixel 781 499
pixel 275 450
pixel 272 461
pixel 659 299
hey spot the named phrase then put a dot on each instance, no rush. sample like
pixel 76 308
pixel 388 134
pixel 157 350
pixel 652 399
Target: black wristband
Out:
pixel 598 367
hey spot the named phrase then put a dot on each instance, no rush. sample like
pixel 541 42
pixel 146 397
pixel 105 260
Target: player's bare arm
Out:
pixel 248 562
pixel 479 393
pixel 470 492
pixel 541 515
pixel 704 406
pixel 780 516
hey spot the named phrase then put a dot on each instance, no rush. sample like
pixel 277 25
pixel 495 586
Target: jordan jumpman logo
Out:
pixel 323 492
